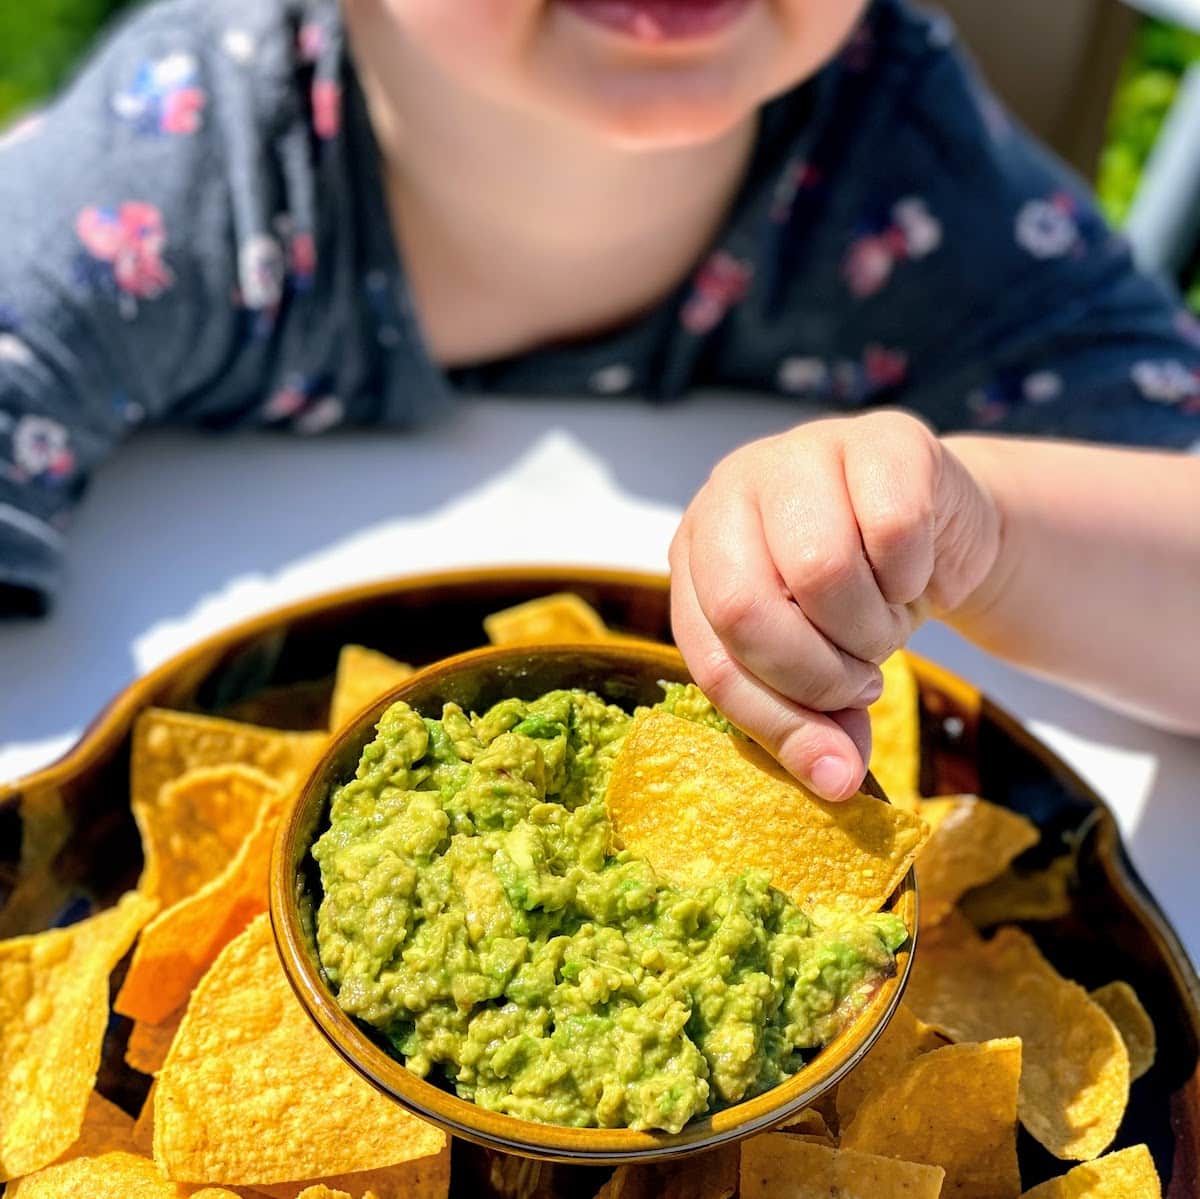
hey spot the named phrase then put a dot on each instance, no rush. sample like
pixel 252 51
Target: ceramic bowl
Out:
pixel 623 672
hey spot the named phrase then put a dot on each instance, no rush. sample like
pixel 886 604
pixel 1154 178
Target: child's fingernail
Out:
pixel 831 777
pixel 871 692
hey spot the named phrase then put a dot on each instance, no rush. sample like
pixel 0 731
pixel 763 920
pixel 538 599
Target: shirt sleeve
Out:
pixel 1017 307
pixel 95 335
pixel 160 261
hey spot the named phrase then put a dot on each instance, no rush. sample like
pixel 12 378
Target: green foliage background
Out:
pixel 40 41
pixel 1149 82
pixel 1147 88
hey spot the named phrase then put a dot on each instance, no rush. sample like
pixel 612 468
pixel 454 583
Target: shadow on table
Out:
pixel 181 517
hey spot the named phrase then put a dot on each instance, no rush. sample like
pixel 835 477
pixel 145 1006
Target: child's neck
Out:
pixel 517 232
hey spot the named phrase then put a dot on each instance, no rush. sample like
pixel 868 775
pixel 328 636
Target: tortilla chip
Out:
pixel 1127 1174
pixel 896 733
pixel 179 945
pixel 422 1178
pixel 543 621
pixel 1022 895
pixel 34 902
pixel 45 827
pixel 298 706
pixel 1125 1010
pixel 506 1176
pixel 148 1043
pixel 1075 1076
pixel 954 1107
pixel 114 1175
pixel 948 935
pixel 709 1175
pixel 363 675
pixel 904 1039
pixel 808 1123
pixel 168 745
pixel 782 1167
pixel 321 1191
pixel 143 1127
pixel 39 891
pixel 105 1126
pixel 971 843
pixel 700 804
pixel 53 1013
pixel 195 825
pixel 216 1120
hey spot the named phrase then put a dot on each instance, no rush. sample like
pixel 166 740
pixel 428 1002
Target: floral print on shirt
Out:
pixel 721 282
pixel 240 45
pixel 304 405
pixel 164 97
pixel 260 272
pixel 14 350
pixel 799 175
pixel 845 381
pixel 1168 381
pixel 40 450
pixel 914 232
pixel 1057 226
pixel 326 108
pixel 1008 390
pixel 124 248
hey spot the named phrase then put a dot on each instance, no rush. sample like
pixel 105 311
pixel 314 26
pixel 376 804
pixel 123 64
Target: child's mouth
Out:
pixel 661 20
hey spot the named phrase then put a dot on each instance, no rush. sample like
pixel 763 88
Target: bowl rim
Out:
pixel 511 1134
pixel 108 725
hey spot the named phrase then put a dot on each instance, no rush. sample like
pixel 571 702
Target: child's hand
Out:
pixel 809 557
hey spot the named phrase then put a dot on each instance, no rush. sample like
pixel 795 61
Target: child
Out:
pixel 810 556
pixel 293 215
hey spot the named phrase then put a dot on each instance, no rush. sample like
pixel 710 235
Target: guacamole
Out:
pixel 478 917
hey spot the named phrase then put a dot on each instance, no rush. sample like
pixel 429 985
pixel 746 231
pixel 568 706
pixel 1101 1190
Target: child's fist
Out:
pixel 804 561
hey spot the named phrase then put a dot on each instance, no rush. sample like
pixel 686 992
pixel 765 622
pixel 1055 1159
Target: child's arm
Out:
pixel 170 255
pixel 808 557
pixel 116 279
pixel 1097 581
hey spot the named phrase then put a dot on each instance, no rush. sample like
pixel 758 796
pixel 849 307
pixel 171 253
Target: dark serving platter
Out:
pixel 73 821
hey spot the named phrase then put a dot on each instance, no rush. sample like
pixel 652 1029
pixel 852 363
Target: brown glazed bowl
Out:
pixel 624 672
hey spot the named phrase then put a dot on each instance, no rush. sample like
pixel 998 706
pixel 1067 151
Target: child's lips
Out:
pixel 657 21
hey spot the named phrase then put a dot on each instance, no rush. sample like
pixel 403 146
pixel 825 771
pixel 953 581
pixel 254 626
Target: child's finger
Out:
pixel 814 542
pixel 816 749
pixel 748 607
pixel 891 480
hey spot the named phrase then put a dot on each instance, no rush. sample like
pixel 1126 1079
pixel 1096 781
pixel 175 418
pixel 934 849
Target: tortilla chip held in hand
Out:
pixel 700 804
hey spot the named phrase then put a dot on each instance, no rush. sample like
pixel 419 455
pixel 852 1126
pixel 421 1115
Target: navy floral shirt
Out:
pixel 195 233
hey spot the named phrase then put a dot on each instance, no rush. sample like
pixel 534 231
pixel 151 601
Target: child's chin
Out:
pixel 673 133
pixel 645 121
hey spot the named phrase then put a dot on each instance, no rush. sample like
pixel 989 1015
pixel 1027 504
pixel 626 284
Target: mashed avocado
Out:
pixel 476 914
